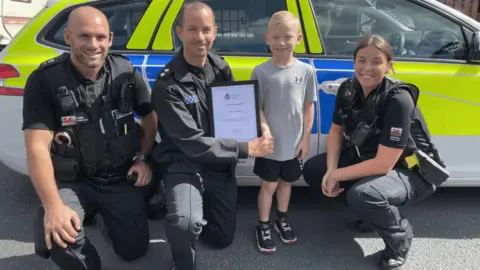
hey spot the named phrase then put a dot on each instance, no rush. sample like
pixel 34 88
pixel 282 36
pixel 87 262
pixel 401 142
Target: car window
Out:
pixel 412 30
pixel 123 20
pixel 241 24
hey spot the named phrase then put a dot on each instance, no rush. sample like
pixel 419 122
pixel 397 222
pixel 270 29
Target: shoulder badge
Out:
pixel 165 72
pixel 53 61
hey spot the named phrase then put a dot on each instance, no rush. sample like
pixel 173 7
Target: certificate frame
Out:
pixel 211 106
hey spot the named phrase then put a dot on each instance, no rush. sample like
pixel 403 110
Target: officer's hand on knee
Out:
pixel 62 224
pixel 143 171
pixel 330 187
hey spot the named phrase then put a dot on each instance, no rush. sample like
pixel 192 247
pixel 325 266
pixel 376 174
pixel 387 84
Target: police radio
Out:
pixel 67 99
pixel 362 132
pixel 126 98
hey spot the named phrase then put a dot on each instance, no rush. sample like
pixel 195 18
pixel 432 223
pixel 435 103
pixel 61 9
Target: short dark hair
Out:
pixel 196 4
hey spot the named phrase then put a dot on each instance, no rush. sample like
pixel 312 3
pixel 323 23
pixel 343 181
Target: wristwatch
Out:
pixel 140 156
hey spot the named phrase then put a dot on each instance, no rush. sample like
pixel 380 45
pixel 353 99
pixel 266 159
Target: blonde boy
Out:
pixel 287 93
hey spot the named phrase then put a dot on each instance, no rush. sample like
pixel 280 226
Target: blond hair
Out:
pixel 284 17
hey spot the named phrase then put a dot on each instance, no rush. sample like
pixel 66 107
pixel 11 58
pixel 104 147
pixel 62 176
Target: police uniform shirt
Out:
pixel 394 120
pixel 42 111
pixel 203 73
pixel 93 88
pixel 179 95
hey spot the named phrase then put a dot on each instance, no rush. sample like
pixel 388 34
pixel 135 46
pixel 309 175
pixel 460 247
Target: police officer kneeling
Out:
pixel 198 170
pixel 80 107
pixel 378 150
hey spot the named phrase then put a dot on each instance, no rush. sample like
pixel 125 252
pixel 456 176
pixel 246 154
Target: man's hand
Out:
pixel 61 223
pixel 261 146
pixel 330 187
pixel 143 171
pixel 303 149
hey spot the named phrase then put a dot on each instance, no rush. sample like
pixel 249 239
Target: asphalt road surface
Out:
pixel 446 227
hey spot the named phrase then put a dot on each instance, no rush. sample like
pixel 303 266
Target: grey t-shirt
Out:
pixel 283 93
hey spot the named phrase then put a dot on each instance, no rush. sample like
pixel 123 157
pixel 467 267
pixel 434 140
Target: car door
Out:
pixel 240 40
pixel 430 51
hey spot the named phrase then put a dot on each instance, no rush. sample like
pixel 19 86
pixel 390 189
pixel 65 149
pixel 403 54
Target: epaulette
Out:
pixel 165 72
pixel 119 55
pixel 54 61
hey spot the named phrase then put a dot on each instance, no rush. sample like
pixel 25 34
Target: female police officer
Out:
pixel 366 148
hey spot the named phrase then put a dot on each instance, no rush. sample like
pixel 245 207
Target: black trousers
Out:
pixel 198 205
pixel 376 199
pixel 122 209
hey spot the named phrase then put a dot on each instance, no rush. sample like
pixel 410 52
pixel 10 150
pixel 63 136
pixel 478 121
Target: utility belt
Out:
pixel 105 179
pixel 427 167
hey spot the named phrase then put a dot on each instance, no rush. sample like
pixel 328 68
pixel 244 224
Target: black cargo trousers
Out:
pixel 121 207
pixel 199 204
pixel 376 199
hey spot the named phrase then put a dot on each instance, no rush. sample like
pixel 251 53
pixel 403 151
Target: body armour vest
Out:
pixel 374 109
pixel 102 133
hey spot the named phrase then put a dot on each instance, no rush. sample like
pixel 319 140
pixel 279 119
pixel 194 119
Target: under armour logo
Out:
pixel 298 80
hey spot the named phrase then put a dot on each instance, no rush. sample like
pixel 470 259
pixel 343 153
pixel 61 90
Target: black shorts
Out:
pixel 270 170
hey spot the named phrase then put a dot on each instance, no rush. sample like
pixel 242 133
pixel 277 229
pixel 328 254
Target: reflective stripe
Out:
pixel 313 34
pixel 292 7
pixel 143 34
pixel 164 39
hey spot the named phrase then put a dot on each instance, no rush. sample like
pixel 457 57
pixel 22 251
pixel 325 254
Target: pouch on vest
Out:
pixel 123 148
pixel 65 169
pixel 88 142
pixel 64 157
pixel 428 168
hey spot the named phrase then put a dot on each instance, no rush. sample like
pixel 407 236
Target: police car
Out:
pixel 435 47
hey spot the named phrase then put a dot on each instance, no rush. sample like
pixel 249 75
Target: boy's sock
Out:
pixel 281 214
pixel 264 222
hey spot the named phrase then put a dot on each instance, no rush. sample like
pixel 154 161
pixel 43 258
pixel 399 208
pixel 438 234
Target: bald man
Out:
pixel 86 154
pixel 199 170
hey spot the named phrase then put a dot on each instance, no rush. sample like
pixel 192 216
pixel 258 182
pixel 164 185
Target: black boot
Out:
pixel 394 260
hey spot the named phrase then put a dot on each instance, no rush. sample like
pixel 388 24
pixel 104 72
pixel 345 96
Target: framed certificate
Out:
pixel 234 110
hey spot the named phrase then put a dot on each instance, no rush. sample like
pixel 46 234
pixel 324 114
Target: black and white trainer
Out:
pixel 282 226
pixel 264 238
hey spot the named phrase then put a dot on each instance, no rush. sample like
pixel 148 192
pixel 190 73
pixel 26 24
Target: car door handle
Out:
pixel 330 88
